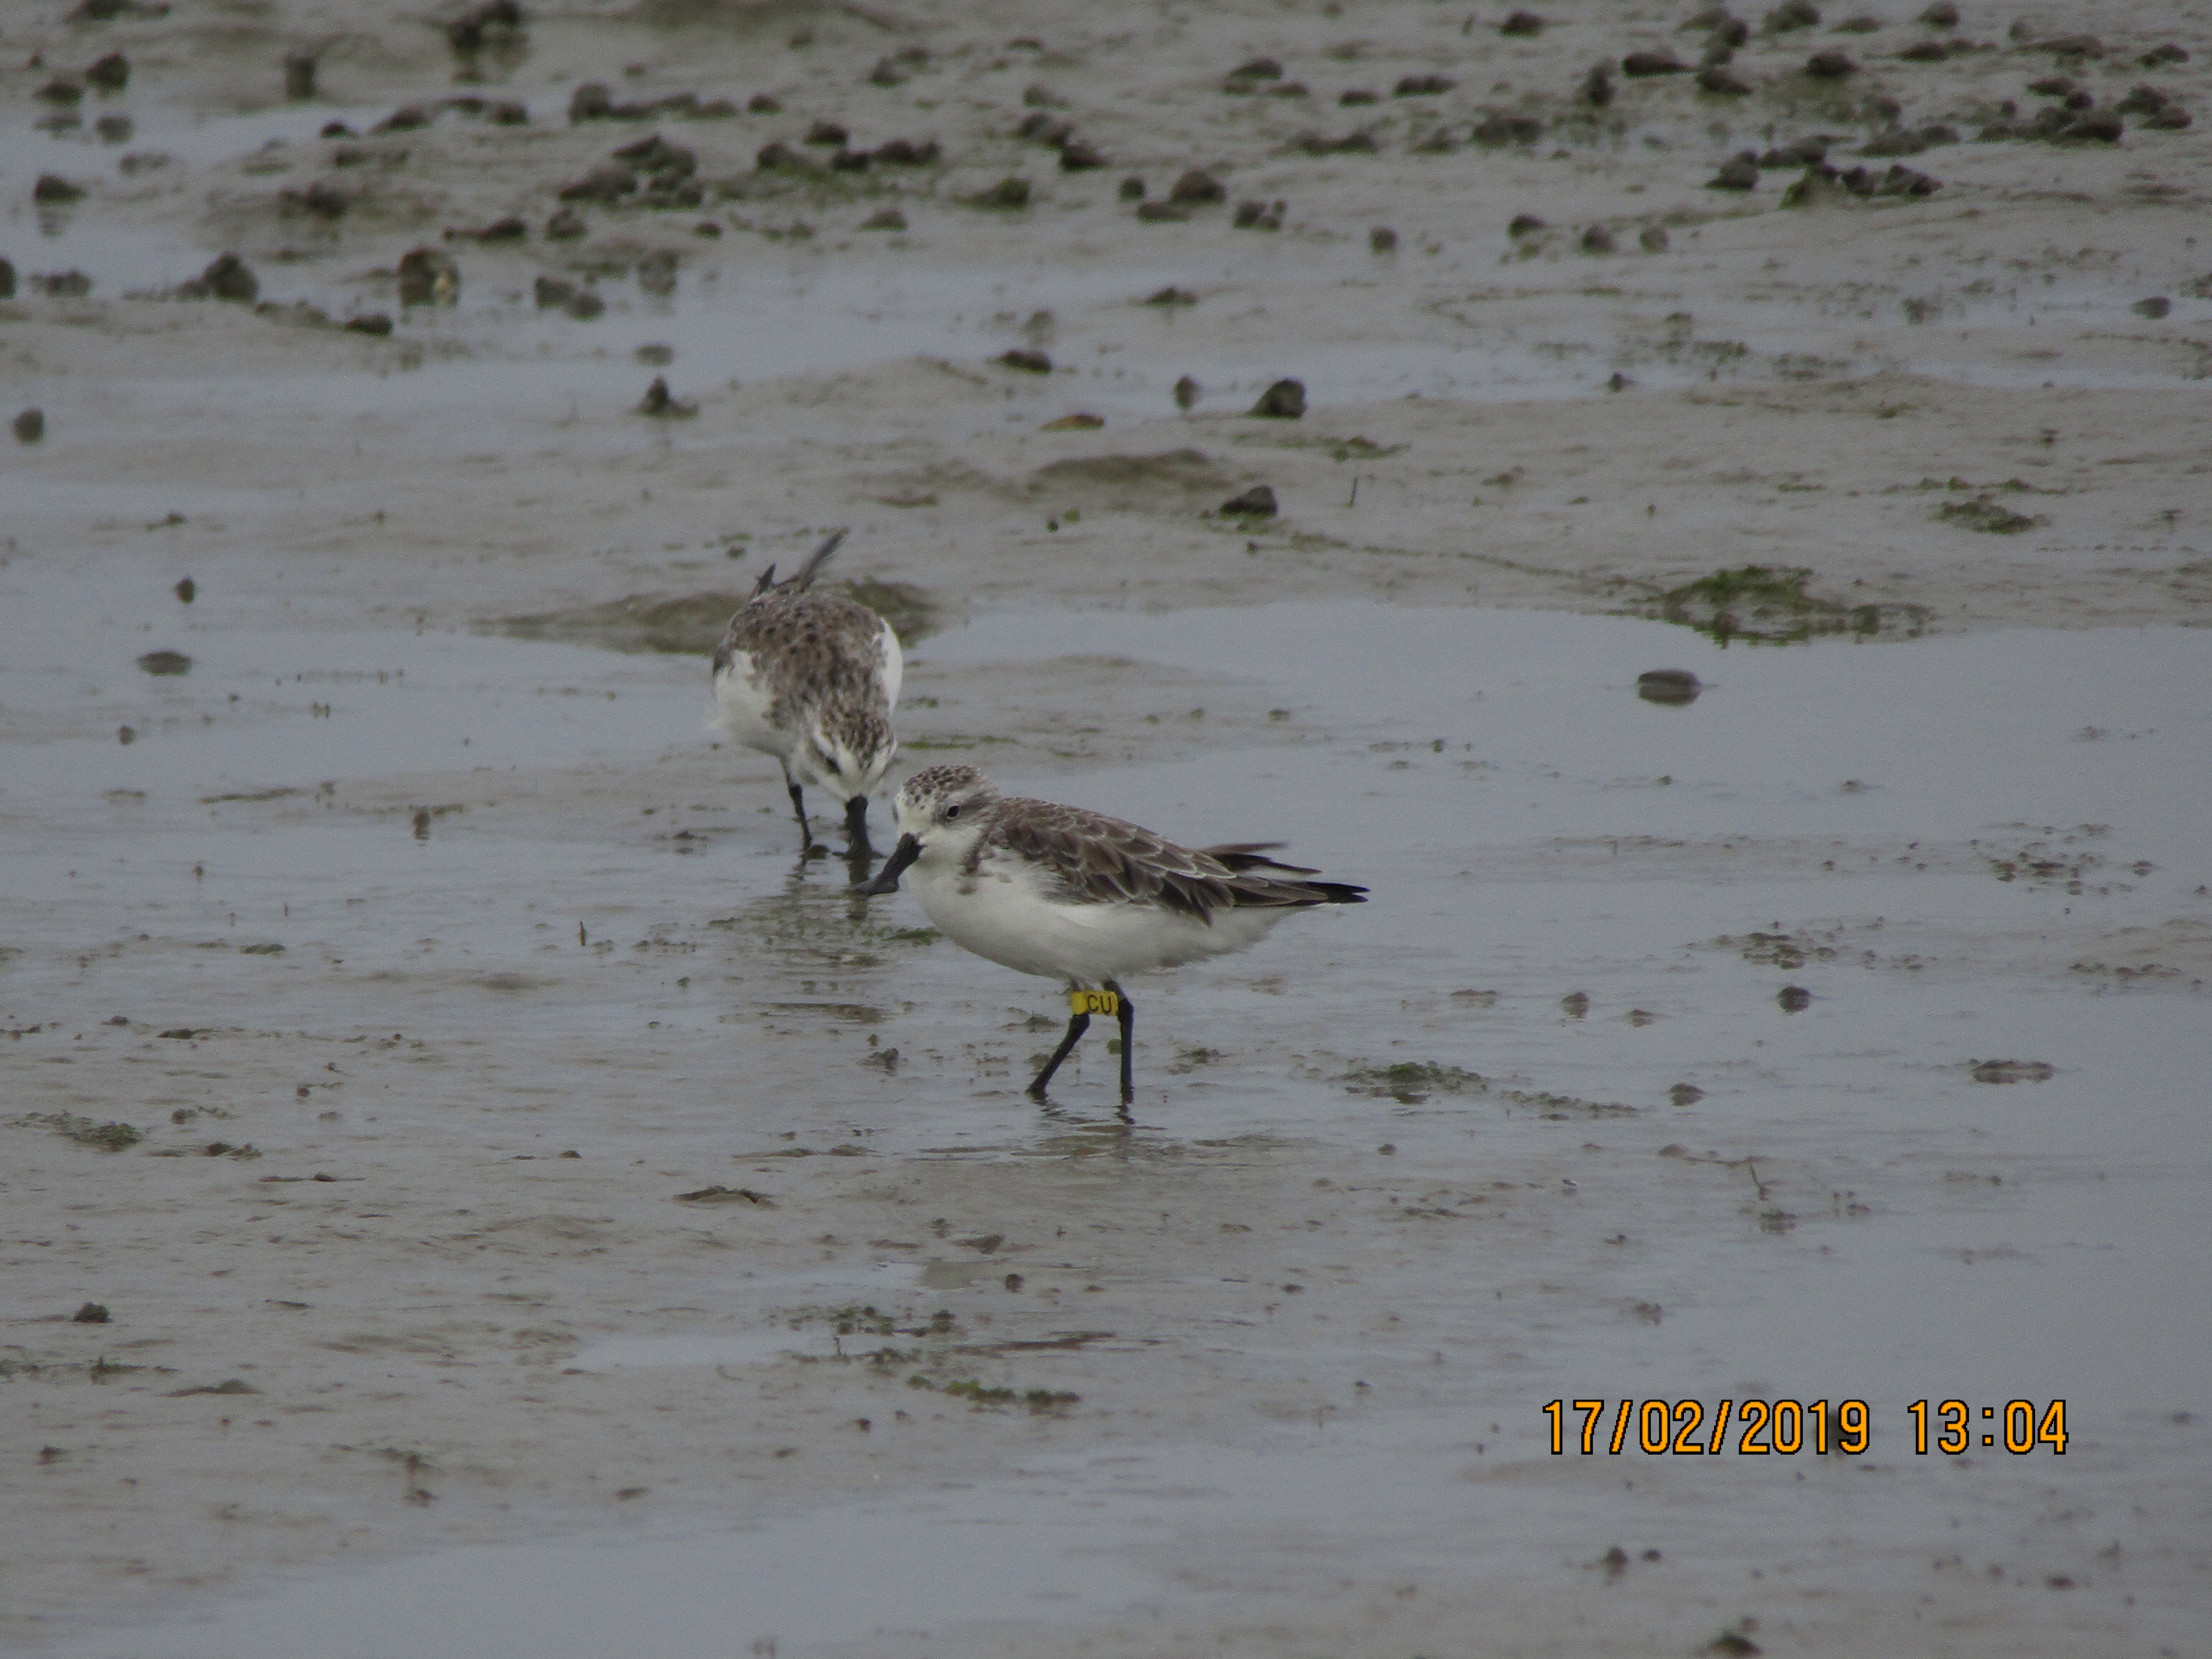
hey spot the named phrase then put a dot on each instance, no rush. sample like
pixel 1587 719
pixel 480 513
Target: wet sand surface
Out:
pixel 1839 1034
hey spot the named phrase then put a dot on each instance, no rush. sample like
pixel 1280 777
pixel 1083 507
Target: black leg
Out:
pixel 798 806
pixel 1129 1019
pixel 856 828
pixel 1076 1028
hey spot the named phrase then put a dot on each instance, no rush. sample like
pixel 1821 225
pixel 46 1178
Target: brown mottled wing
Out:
pixel 806 641
pixel 1096 859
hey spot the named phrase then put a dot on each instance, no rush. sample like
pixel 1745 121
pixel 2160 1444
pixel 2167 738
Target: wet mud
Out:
pixel 473 1186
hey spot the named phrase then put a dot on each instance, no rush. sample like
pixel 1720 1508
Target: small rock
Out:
pixel 1423 86
pixel 1643 64
pixel 30 426
pixel 1790 14
pixel 1597 240
pixel 762 103
pixel 1794 999
pixel 1037 95
pixel 7 279
pixel 1285 400
pixel 1682 1094
pixel 592 102
pixel 1740 171
pixel 1079 155
pixel 584 305
pixel 1381 239
pixel 1668 685
pixel 186 590
pixel 65 284
pixel 1197 186
pixel 429 276
pixel 60 91
pixel 1597 85
pixel 1009 194
pixel 2014 1071
pixel 1351 97
pixel 1524 224
pixel 776 154
pixel 1259 68
pixel 1497 129
pixel 1156 213
pixel 1941 16
pixel 827 134
pixel 1074 423
pixel 1257 215
pixel 165 663
pixel 2168 53
pixel 229 278
pixel 849 160
pixel 905 153
pixel 111 74
pixel 1525 23
pixel 1187 391
pixel 887 218
pixel 1718 81
pixel 566 226
pixel 92 1313
pixel 1257 503
pixel 2154 308
pixel 299 75
pixel 1172 295
pixel 1132 189
pixel 1653 239
pixel 374 323
pixel 659 403
pixel 1830 66
pixel 52 187
pixel 1024 358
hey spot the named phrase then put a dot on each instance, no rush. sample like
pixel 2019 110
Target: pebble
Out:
pixel 1714 79
pixel 1257 503
pixel 1197 186
pixel 1187 391
pixel 1423 86
pixel 226 277
pixel 1653 239
pixel 1597 240
pixel 1525 224
pixel 1525 23
pixel 1285 400
pixel 1381 239
pixel 1008 195
pixel 1078 156
pixel 52 187
pixel 826 133
pixel 111 74
pixel 299 75
pixel 1830 66
pixel 2155 307
pixel 1643 64
pixel 374 323
pixel 888 218
pixel 1132 189
pixel 7 279
pixel 1668 685
pixel 30 426
pixel 1025 359
pixel 186 590
pixel 661 406
pixel 1257 215
pixel 1597 85
pixel 1740 171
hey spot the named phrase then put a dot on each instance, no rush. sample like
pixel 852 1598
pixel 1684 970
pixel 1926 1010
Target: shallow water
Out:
pixel 1846 1211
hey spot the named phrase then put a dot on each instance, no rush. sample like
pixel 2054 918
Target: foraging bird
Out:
pixel 811 678
pixel 1073 895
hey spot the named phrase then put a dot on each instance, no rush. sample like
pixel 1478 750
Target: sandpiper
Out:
pixel 1073 895
pixel 811 678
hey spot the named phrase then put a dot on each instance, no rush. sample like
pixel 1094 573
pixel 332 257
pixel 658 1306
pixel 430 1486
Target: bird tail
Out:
pixel 802 578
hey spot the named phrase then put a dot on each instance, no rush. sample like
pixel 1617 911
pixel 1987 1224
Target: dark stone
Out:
pixel 659 404
pixel 1259 68
pixel 2171 118
pixel 1941 16
pixel 299 75
pixel 52 187
pixel 585 305
pixel 1257 503
pixel 1009 195
pixel 1079 156
pixel 1597 85
pixel 228 278
pixel 657 156
pixel 1186 393
pixel 1790 14
pixel 1163 213
pixel 1132 189
pixel 113 129
pixel 1668 685
pixel 1738 172
pixel 2091 126
pixel 827 134
pixel 1353 144
pixel 1597 240
pixel 1352 96
pixel 1642 65
pixel 320 199
pixel 1830 66
pixel 592 102
pixel 30 426
pixel 1525 224
pixel 1799 153
pixel 776 155
pixel 607 182
pixel 1718 81
pixel 408 119
pixel 2141 101
pixel 1197 186
pixel 1925 52
pixel 429 275
pixel 762 103
pixel 905 153
pixel 1525 23
pixel 2154 308
pixel 1381 239
pixel 1423 86
pixel 1037 95
pixel 374 323
pixel 64 92
pixel 165 663
pixel 64 285
pixel 1285 400
pixel 1653 239
pixel 551 291
pixel 186 590
pixel 1027 361
pixel 2168 53
pixel 1794 999
pixel 849 160
pixel 111 74
pixel 7 279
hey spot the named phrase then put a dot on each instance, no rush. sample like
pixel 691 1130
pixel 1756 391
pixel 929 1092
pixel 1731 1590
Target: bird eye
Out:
pixel 952 812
